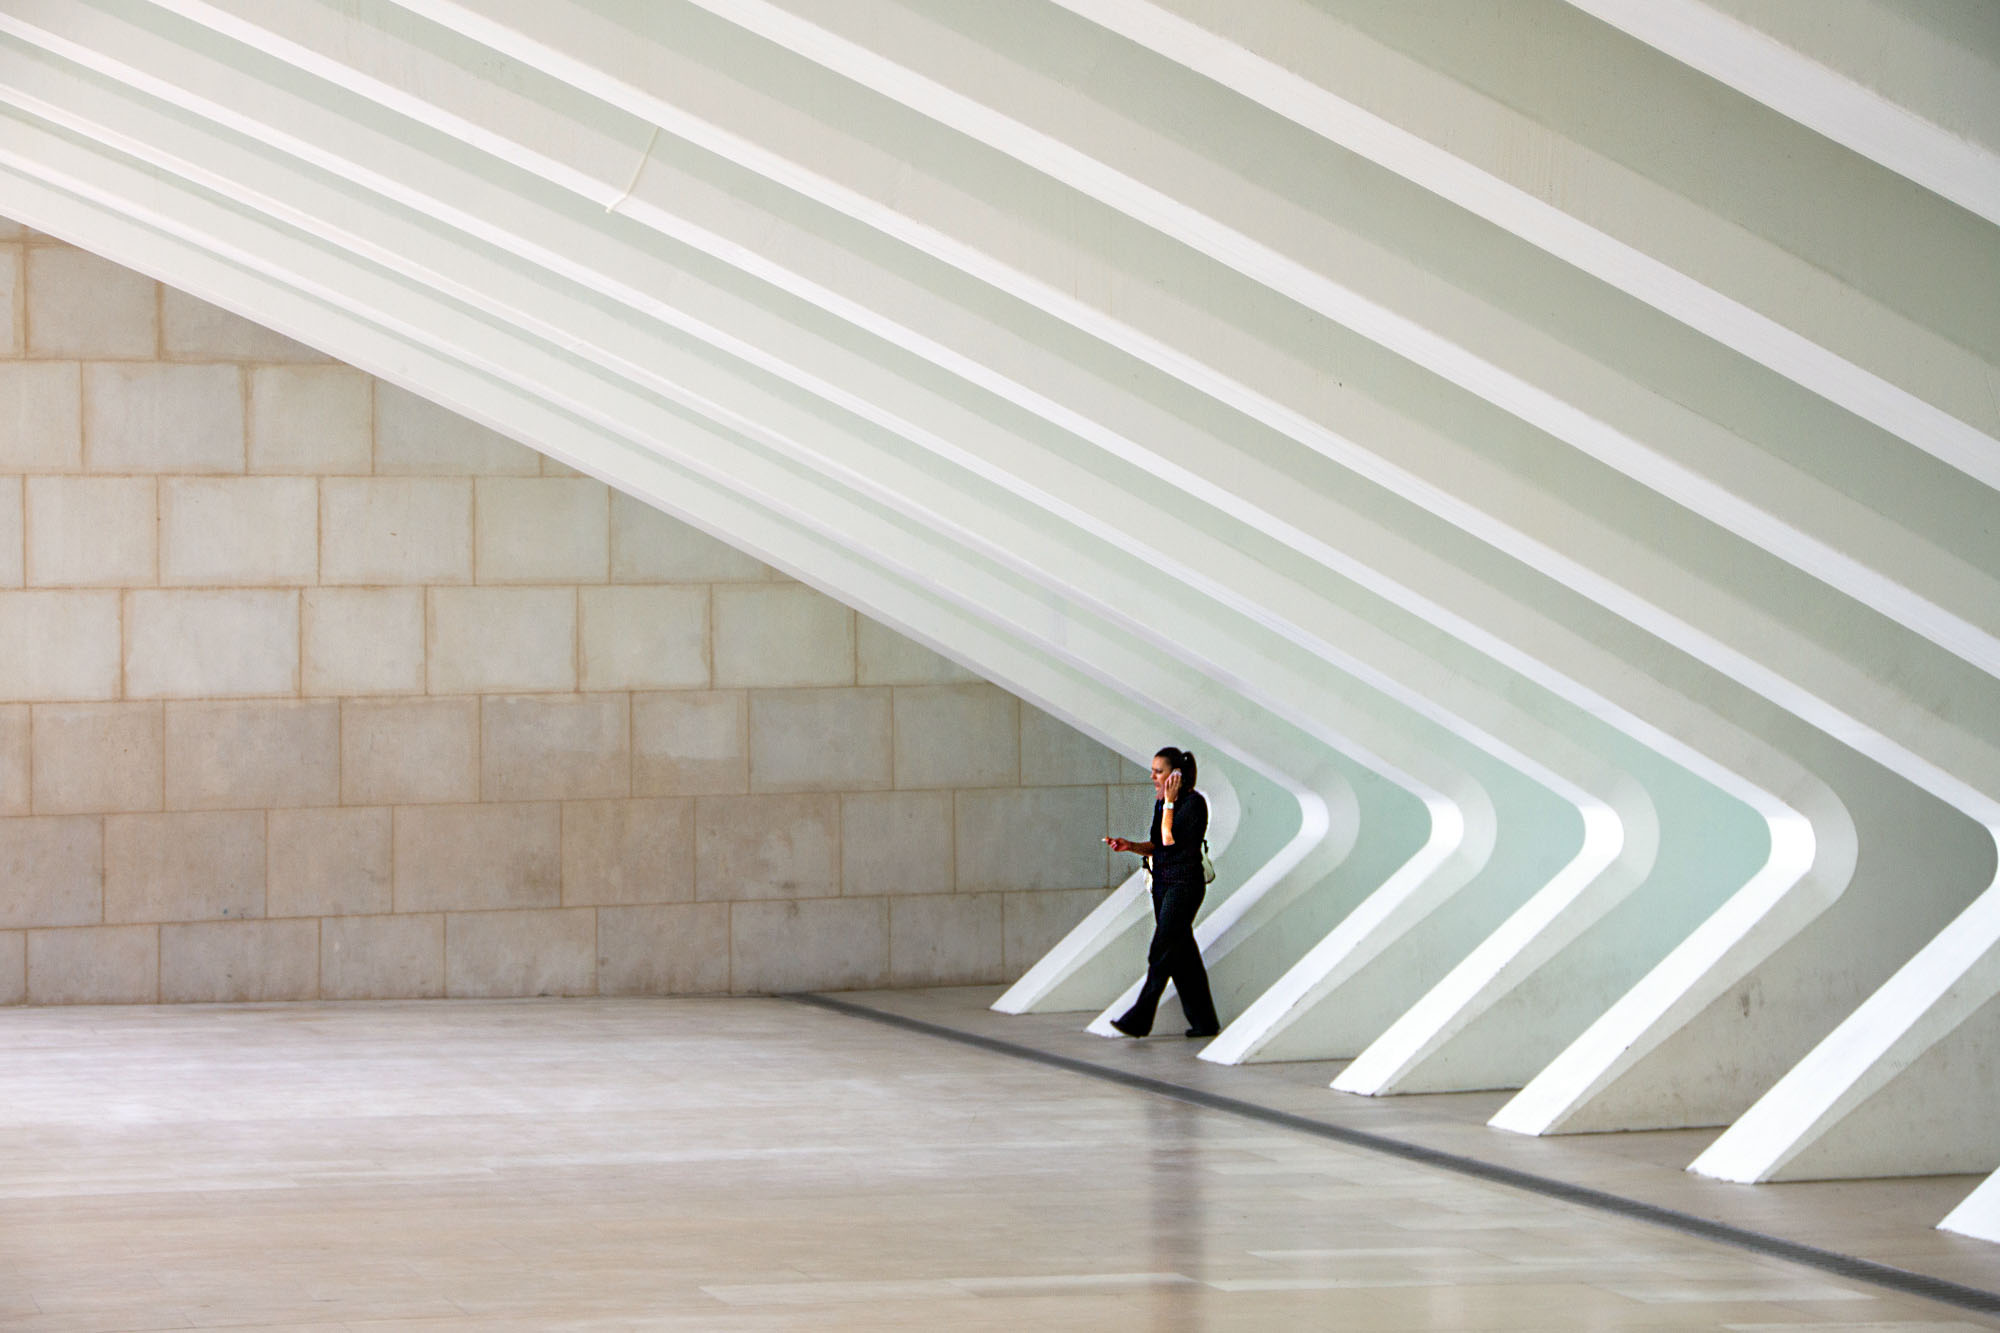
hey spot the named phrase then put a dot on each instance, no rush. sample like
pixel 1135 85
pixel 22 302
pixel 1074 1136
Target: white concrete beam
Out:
pixel 652 360
pixel 1919 1061
pixel 1574 200
pixel 1937 127
pixel 1460 334
pixel 1939 760
pixel 879 467
pixel 1979 1216
pixel 819 550
pixel 1573 575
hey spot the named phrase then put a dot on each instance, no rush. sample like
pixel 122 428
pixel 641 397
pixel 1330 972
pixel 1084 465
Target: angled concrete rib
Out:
pixel 1913 91
pixel 652 169
pixel 1486 123
pixel 824 551
pixel 1928 591
pixel 1364 719
pixel 875 470
pixel 1914 1065
pixel 1094 925
pixel 1979 1215
pixel 1097 957
pixel 1418 282
pixel 1607 849
pixel 1541 478
pixel 1919 93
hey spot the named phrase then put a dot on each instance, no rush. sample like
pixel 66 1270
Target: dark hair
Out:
pixel 1181 760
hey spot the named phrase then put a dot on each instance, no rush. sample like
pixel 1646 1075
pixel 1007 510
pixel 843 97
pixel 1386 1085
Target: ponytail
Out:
pixel 1182 762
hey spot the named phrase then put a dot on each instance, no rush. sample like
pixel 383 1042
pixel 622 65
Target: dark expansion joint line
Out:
pixel 1811 1256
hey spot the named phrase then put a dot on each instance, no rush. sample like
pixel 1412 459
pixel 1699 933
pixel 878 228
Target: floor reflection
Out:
pixel 1180 1224
pixel 513 1167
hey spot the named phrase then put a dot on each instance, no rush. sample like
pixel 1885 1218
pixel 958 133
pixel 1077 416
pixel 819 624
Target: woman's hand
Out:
pixel 1172 786
pixel 1119 844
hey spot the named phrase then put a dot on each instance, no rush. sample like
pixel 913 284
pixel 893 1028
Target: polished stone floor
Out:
pixel 749 1164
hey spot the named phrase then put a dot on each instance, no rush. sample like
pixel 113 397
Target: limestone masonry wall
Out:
pixel 311 689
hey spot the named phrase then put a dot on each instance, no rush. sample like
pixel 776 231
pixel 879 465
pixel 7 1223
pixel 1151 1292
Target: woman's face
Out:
pixel 1161 768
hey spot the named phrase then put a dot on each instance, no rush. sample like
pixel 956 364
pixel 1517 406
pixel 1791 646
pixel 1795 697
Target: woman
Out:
pixel 1180 822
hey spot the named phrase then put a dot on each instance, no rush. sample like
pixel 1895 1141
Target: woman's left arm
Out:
pixel 1171 790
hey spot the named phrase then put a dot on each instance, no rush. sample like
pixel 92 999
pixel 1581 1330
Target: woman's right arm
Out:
pixel 1127 845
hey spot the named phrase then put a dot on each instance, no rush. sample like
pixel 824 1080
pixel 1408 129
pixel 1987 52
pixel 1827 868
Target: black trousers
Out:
pixel 1175 957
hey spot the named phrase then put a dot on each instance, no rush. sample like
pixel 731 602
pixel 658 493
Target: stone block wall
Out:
pixel 310 689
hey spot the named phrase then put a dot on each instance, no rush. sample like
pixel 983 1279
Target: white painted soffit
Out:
pixel 841 544
pixel 1665 582
pixel 1447 827
pixel 1265 519
pixel 1447 837
pixel 1960 162
pixel 1242 725
pixel 385 246
pixel 1476 346
pixel 1314 826
pixel 1304 63
pixel 1928 589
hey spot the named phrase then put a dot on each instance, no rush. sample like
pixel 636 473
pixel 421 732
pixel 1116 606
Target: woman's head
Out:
pixel 1172 760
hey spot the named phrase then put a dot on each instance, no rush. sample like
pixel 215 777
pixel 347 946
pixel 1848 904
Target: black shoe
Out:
pixel 1129 1028
pixel 1203 1032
